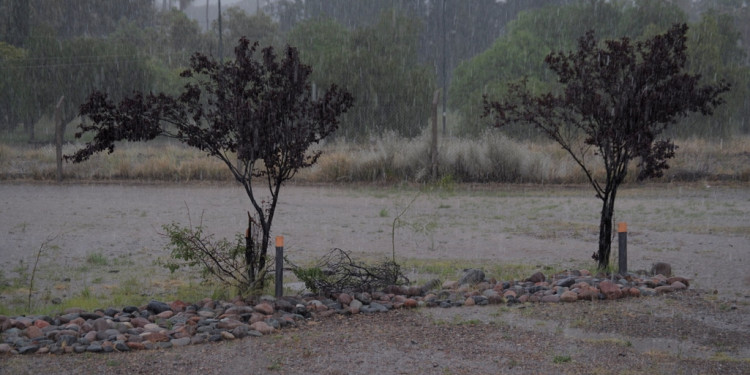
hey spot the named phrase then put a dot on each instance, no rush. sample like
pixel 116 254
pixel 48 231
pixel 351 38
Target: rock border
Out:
pixel 160 325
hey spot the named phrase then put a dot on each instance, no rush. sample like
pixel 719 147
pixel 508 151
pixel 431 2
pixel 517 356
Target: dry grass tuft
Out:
pixel 386 159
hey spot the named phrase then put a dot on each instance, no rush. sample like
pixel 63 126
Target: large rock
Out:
pixel 670 281
pixel 472 276
pixel 354 306
pixel 569 296
pixel 157 307
pixel 344 299
pixel 262 327
pixel 33 332
pixel 536 278
pixel 264 308
pixel 610 289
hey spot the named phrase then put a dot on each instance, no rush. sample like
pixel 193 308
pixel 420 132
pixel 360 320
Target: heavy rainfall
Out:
pixel 412 186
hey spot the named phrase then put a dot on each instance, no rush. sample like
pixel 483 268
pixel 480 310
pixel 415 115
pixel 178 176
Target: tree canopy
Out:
pixel 255 113
pixel 379 63
pixel 614 103
pixel 519 53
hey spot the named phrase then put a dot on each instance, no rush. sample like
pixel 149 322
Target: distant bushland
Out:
pixel 388 159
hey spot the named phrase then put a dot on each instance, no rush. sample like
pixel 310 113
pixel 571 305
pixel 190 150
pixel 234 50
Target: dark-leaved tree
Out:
pixel 254 113
pixel 614 102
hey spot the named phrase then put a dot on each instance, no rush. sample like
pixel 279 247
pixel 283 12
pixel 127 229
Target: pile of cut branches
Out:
pixel 337 272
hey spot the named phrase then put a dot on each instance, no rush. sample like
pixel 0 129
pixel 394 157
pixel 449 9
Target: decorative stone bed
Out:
pixel 164 325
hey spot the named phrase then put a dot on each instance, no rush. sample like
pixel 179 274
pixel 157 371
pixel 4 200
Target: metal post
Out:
pixel 622 236
pixel 279 266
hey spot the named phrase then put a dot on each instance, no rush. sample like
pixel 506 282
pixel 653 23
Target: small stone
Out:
pixel 566 282
pixel 139 322
pixel 469 302
pixel 39 323
pixel 198 339
pixel 181 341
pixel 569 296
pixel 100 324
pixel 661 268
pixel 165 314
pixel 264 308
pixel 151 327
pixel 262 327
pixel 344 299
pixel 355 306
pixel 178 306
pixel 229 324
pixel 664 289
pixel 227 336
pixel 537 277
pixel 155 336
pixel 410 303
pixel 122 346
pixel 95 348
pixel 449 284
pixel 678 285
pixel 4 348
pixel 28 349
pixel 240 331
pixel 551 298
pixel 157 307
pixel 670 281
pixel 33 332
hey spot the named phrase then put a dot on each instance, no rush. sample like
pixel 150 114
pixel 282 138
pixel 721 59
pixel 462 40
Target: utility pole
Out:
pixel 445 68
pixel 221 47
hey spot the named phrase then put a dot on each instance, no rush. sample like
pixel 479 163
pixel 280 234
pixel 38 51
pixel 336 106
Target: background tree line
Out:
pixel 388 53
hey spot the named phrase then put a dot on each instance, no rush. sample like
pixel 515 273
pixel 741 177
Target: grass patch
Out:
pixel 724 357
pixel 388 159
pixel 97 259
pixel 611 341
pixel 562 359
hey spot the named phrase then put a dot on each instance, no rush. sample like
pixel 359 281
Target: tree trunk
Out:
pixel 250 249
pixel 29 127
pixel 262 258
pixel 605 230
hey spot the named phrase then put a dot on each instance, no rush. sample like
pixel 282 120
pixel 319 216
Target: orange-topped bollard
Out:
pixel 622 237
pixel 279 266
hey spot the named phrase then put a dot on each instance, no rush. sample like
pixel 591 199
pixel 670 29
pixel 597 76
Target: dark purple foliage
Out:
pixel 616 100
pixel 254 113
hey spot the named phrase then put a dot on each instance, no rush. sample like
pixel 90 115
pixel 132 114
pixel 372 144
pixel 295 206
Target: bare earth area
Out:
pixel 702 231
